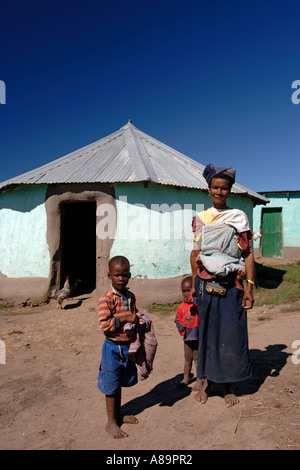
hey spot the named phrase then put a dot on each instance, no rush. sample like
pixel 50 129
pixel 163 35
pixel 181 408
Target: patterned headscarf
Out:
pixel 211 171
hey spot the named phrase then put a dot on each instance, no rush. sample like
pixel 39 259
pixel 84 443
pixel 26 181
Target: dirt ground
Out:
pixel 49 397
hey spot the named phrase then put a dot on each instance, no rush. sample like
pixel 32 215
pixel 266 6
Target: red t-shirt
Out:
pixel 187 320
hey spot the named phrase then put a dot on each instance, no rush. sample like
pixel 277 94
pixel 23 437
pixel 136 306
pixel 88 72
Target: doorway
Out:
pixel 78 245
pixel 272 232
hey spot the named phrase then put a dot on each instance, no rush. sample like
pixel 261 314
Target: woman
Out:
pixel 222 255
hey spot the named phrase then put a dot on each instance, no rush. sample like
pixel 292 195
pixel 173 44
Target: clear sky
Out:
pixel 210 78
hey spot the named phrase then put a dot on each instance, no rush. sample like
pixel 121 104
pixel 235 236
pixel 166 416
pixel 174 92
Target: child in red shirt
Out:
pixel 187 324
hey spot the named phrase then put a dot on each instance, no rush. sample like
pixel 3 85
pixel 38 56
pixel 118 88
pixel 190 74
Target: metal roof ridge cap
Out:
pixel 143 153
pixel 136 160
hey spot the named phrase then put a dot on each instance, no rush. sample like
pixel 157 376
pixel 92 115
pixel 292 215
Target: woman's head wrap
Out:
pixel 211 171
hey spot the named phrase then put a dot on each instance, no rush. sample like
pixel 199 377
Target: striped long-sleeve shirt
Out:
pixel 111 306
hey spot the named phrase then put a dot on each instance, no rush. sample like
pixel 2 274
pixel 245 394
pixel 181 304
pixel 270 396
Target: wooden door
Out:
pixel 272 232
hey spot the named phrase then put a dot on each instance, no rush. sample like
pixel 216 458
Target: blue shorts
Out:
pixel 116 369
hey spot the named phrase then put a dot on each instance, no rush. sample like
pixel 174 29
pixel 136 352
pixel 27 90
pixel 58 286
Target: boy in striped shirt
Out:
pixel 116 308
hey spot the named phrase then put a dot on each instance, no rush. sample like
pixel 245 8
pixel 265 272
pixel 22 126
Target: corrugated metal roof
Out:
pixel 285 191
pixel 128 155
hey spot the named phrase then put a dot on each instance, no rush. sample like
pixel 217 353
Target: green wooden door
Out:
pixel 272 232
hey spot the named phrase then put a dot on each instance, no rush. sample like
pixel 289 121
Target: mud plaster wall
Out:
pixel 23 246
pixel 24 252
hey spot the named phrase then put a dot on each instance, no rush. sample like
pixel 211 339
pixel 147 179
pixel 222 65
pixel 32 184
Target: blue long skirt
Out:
pixel 223 354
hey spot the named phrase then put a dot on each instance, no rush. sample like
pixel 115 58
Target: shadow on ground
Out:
pixel 165 393
pixel 267 363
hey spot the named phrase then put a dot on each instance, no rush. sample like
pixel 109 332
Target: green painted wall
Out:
pixel 24 250
pixel 290 220
pixel 154 227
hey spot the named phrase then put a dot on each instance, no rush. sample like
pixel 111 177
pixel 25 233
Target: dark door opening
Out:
pixel 78 245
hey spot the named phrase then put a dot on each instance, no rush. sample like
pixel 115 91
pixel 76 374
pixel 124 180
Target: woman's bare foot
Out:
pixel 115 431
pixel 202 395
pixel 229 397
pixel 198 385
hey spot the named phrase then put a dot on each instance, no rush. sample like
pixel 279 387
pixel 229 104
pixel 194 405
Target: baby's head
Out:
pixel 186 287
pixel 119 272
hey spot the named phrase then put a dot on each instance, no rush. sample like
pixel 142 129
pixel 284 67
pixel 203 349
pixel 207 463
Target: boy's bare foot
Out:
pixel 115 431
pixel 202 395
pixel 229 397
pixel 130 419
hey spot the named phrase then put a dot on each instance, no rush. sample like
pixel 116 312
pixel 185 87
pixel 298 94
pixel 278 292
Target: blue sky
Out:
pixel 212 79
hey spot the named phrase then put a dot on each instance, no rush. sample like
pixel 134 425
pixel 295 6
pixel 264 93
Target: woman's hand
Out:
pixel 193 292
pixel 194 267
pixel 248 299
